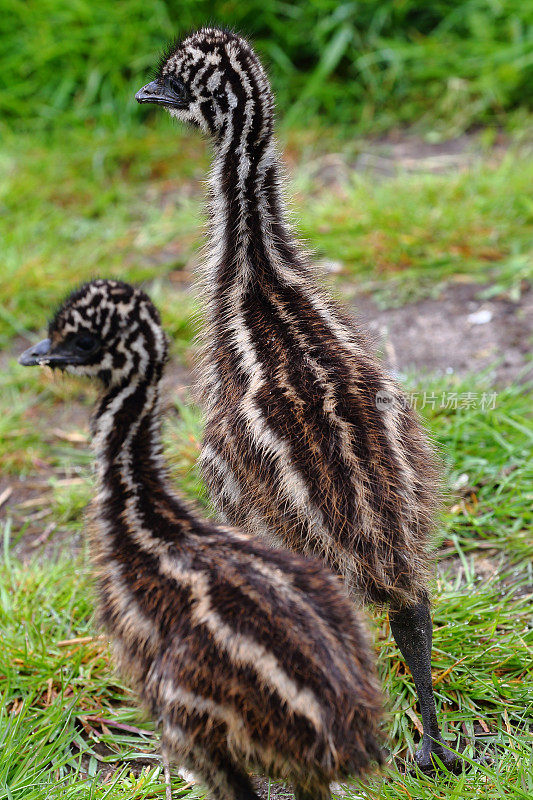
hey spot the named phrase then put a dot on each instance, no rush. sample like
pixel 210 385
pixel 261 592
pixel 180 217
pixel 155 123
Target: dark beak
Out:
pixel 42 354
pixel 36 354
pixel 160 93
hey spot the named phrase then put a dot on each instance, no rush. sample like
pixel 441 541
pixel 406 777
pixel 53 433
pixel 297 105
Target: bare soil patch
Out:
pixel 455 333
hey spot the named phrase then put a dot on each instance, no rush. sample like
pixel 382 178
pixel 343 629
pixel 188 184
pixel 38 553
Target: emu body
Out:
pixel 308 440
pixel 250 657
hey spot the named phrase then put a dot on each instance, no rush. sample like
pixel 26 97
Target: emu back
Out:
pixel 307 437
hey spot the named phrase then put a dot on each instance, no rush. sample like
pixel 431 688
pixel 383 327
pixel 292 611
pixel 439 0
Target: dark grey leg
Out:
pixel 413 631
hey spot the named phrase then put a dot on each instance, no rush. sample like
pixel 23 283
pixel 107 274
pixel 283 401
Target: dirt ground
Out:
pixel 457 331
pixel 454 333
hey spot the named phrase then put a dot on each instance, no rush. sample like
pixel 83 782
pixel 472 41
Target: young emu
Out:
pixel 307 440
pixel 252 658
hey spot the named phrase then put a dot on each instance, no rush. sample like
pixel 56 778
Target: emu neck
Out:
pixel 249 233
pixel 127 443
pixel 122 413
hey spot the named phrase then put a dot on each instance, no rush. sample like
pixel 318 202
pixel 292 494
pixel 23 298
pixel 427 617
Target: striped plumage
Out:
pixel 308 440
pixel 295 442
pixel 250 657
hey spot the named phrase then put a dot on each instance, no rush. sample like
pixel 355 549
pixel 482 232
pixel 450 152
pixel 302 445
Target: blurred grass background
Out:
pixel 91 183
pixel 374 63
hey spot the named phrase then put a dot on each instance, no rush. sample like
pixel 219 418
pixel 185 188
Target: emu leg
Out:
pixel 168 780
pixel 413 631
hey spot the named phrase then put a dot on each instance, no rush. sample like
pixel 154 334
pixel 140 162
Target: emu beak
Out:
pixel 160 93
pixel 36 354
pixel 42 354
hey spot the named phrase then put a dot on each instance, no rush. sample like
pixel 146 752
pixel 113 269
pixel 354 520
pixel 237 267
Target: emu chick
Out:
pixel 251 658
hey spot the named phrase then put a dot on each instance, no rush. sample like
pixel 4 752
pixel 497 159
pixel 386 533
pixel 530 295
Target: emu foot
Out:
pixel 427 763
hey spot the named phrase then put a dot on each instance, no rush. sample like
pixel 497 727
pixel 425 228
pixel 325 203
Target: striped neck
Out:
pixel 127 441
pixel 249 234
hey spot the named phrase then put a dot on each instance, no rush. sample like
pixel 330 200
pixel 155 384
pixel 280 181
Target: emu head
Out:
pixel 107 330
pixel 213 80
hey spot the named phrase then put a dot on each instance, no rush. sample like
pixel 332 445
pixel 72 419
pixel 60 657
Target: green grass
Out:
pixel 50 684
pixel 374 64
pixel 419 230
pixel 57 689
pixel 83 205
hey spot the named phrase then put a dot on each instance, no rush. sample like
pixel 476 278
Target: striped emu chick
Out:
pixel 251 658
pixel 308 440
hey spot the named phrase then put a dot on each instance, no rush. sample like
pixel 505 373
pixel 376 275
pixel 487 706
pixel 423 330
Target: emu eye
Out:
pixel 177 87
pixel 86 343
